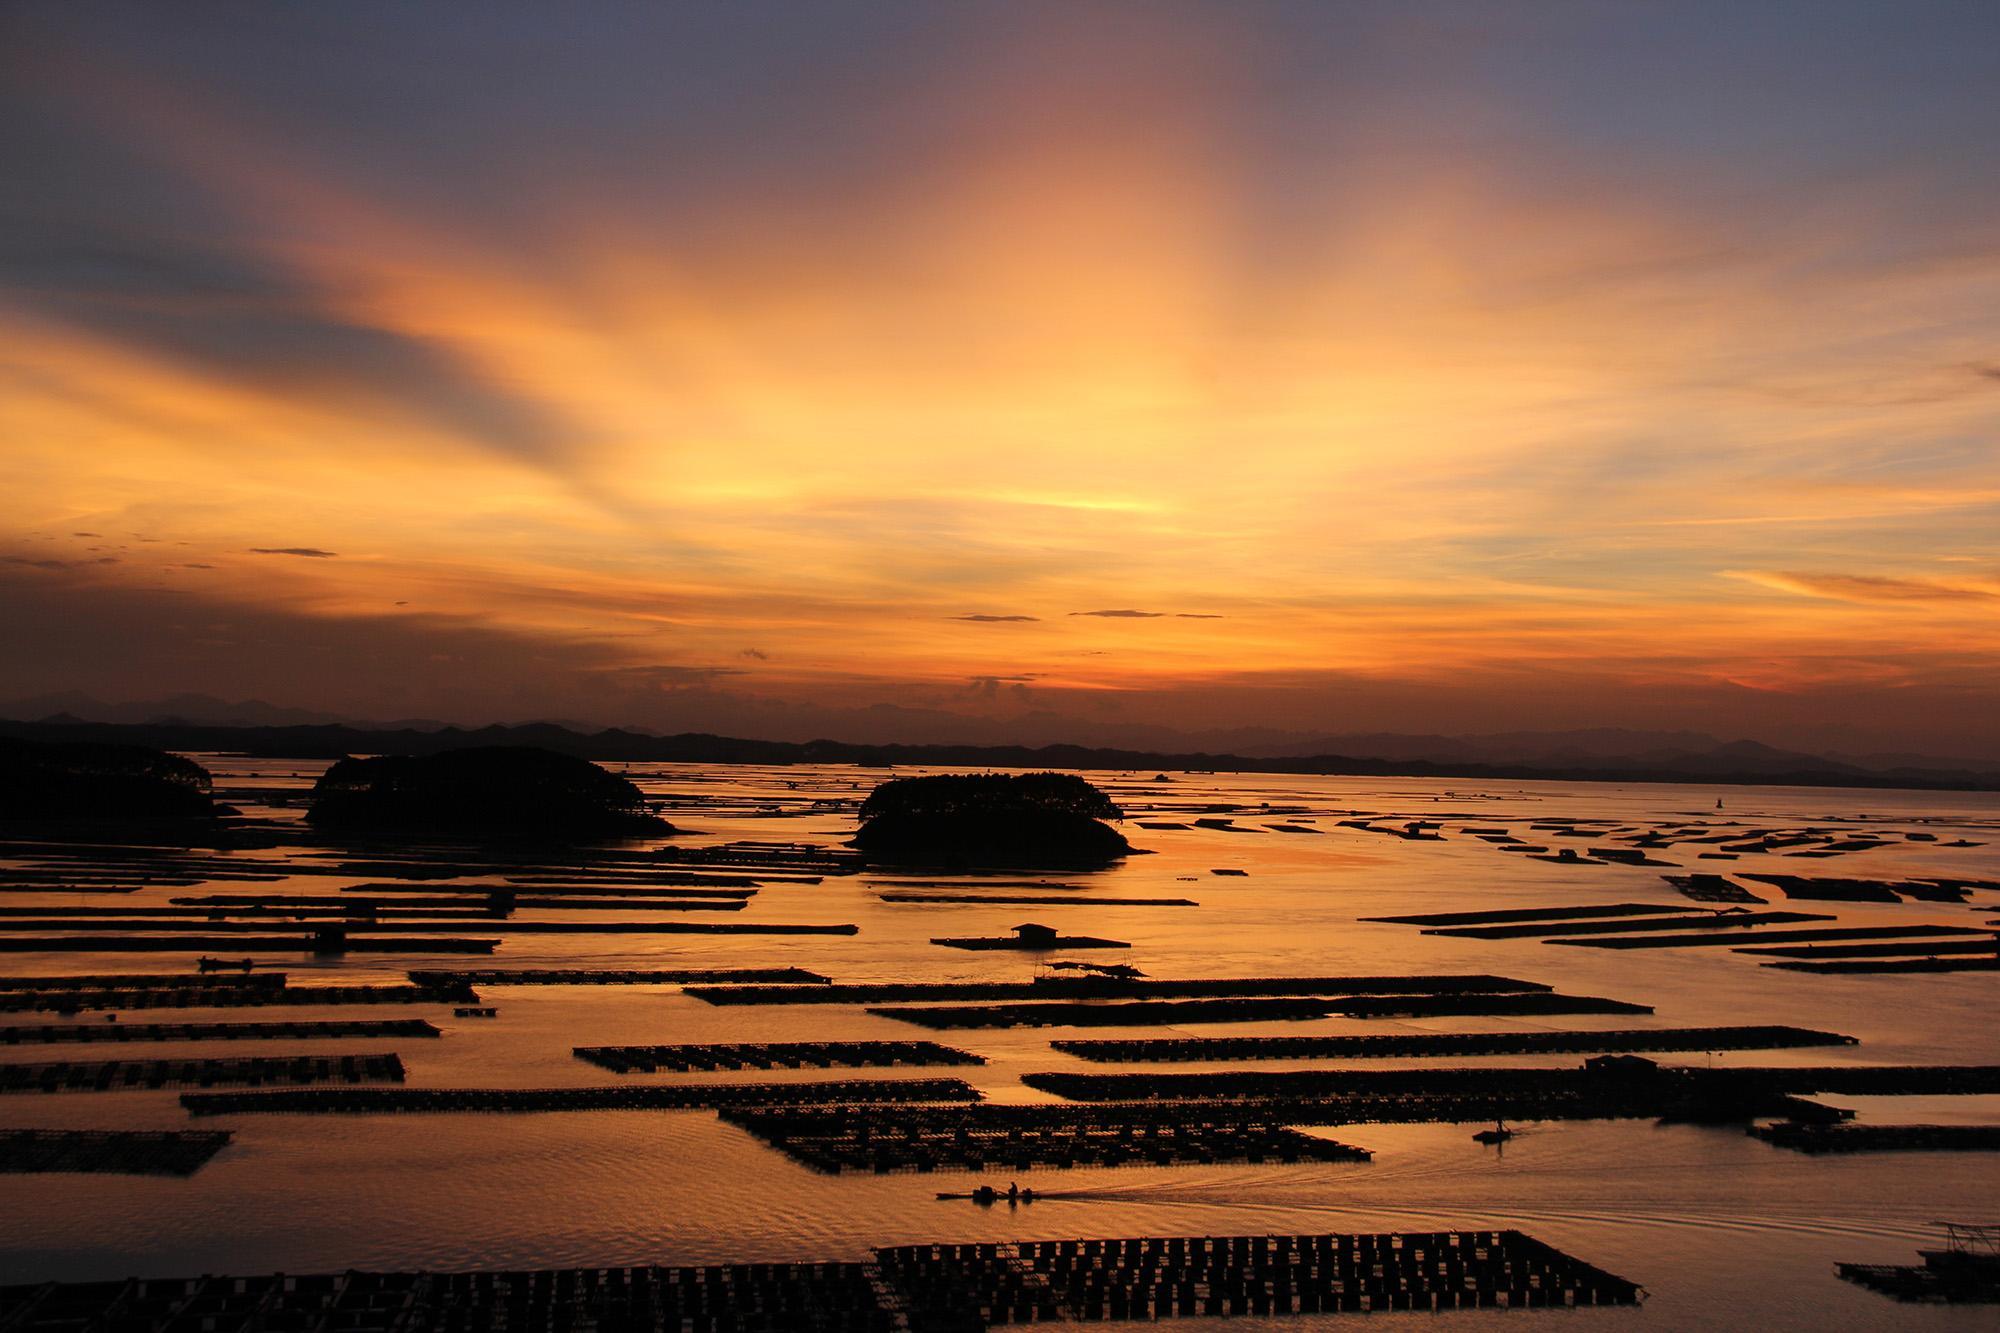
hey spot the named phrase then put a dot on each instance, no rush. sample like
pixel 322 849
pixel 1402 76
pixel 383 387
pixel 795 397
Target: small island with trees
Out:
pixel 499 791
pixel 99 782
pixel 1025 820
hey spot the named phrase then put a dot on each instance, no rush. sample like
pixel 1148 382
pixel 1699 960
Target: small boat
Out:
pixel 986 1195
pixel 1498 1134
pixel 224 964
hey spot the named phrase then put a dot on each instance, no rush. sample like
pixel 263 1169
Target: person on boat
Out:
pixel 1013 1192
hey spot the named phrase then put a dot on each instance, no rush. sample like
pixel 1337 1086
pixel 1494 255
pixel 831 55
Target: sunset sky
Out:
pixel 822 369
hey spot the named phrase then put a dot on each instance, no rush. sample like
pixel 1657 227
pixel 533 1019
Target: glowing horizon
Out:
pixel 1407 368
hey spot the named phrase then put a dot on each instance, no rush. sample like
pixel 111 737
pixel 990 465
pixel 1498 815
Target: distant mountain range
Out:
pixel 1619 748
pixel 1599 755
pixel 201 709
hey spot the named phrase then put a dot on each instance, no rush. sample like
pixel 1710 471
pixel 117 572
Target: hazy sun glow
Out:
pixel 1406 367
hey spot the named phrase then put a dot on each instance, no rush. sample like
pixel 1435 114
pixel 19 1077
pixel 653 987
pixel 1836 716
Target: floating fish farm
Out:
pixel 773 1055
pixel 949 1288
pixel 681 1097
pixel 227 996
pixel 1165 1050
pixel 547 976
pixel 111 1152
pixel 43 1034
pixel 255 1071
pixel 1880 1138
pixel 1113 988
pixel 834 1140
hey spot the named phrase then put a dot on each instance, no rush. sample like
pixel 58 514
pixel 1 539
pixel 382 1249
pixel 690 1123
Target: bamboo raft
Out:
pixel 907 1137
pixel 549 976
pixel 833 1141
pixel 773 1055
pixel 1156 1013
pixel 1625 1078
pixel 619 890
pixel 1712 889
pixel 1886 965
pixel 1880 1138
pixel 1709 921
pixel 254 1071
pixel 1723 940
pixel 682 1097
pixel 304 943
pixel 41 1034
pixel 1435 1044
pixel 1019 899
pixel 142 981
pixel 1084 988
pixel 119 1152
pixel 1505 915
pixel 968 1286
pixel 1122 1014
pixel 949 1288
pixel 1987 945
pixel 226 995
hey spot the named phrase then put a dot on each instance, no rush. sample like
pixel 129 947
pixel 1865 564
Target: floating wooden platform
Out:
pixel 1555 1099
pixel 1437 1044
pixel 143 980
pixel 1647 1083
pixel 1113 988
pixel 1019 899
pixel 226 996
pixel 364 928
pixel 1154 1013
pixel 687 1096
pixel 1920 1283
pixel 133 1075
pixel 1499 916
pixel 41 1034
pixel 1135 1013
pixel 1772 937
pixel 97 1151
pixel 949 1288
pixel 773 1055
pixel 1439 1006
pixel 968 1286
pixel 1711 921
pixel 524 893
pixel 834 1140
pixel 1880 1138
pixel 1858 966
pixel 551 976
pixel 1827 889
pixel 1712 889
pixel 239 944
pixel 1988 945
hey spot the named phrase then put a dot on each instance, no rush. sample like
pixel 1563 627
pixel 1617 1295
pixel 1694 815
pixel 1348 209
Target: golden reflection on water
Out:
pixel 1721 1228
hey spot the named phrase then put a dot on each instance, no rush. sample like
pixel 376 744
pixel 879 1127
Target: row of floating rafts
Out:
pixel 141 981
pixel 113 1075
pixel 227 996
pixel 129 1152
pixel 628 1097
pixel 49 1034
pixel 774 1055
pixel 1253 1275
pixel 825 1295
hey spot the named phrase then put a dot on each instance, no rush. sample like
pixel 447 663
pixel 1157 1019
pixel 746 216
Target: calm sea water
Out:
pixel 1724 1231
